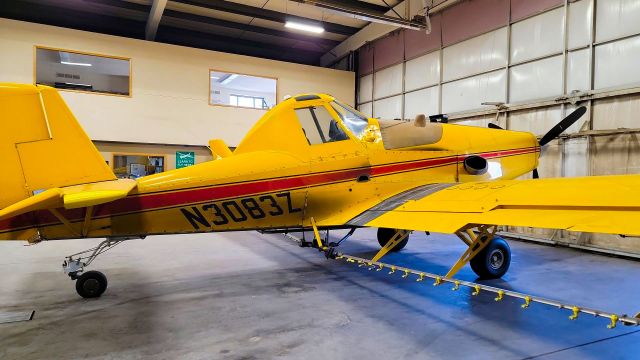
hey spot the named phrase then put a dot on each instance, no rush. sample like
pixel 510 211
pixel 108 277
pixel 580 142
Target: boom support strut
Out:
pixel 476 241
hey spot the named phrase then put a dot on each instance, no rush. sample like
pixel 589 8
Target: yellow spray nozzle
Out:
pixel 576 311
pixel 456 285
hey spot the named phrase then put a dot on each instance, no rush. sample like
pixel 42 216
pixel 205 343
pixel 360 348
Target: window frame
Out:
pixel 245 74
pixel 130 60
pixel 254 98
pixel 338 120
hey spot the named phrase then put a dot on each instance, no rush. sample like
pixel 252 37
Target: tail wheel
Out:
pixel 385 234
pixel 493 261
pixel 91 284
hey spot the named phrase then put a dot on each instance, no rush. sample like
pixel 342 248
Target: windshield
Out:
pixel 352 119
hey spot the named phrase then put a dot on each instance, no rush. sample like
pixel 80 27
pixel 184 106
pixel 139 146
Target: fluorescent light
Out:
pixel 228 79
pixel 74 63
pixel 215 77
pixel 304 27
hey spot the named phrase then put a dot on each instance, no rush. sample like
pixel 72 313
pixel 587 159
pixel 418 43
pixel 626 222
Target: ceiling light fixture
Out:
pixel 228 79
pixel 304 27
pixel 75 63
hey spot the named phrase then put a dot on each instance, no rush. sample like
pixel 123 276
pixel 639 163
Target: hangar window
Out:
pixel 319 126
pixel 241 90
pixel 77 71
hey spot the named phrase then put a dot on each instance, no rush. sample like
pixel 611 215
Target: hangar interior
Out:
pixel 153 82
pixel 529 62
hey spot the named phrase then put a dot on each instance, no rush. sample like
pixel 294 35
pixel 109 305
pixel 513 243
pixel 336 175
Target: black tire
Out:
pixel 493 261
pixel 385 234
pixel 91 284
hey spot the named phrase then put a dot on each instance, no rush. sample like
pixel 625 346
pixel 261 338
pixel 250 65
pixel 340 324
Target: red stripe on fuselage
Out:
pixel 147 202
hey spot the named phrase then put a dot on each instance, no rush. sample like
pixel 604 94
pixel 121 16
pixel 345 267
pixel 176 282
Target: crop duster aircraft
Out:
pixel 309 163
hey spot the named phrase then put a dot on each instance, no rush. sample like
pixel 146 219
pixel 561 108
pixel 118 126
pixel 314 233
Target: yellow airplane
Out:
pixel 310 163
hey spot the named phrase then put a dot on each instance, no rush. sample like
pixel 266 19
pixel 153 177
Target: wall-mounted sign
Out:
pixel 185 158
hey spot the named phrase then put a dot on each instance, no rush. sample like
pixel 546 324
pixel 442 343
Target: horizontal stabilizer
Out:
pixel 71 197
pixel 48 199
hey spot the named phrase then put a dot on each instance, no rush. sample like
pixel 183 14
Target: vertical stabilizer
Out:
pixel 42 146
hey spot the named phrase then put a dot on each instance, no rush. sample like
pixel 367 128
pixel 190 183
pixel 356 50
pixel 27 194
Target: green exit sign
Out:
pixel 185 158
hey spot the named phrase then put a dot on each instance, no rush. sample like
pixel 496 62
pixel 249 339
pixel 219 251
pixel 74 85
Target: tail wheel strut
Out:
pixel 90 284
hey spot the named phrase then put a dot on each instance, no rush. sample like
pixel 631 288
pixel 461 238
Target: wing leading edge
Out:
pixel 602 204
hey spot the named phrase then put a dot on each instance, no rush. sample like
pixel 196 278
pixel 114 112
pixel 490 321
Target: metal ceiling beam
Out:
pixel 76 18
pixel 326 44
pixel 313 41
pixel 362 5
pixel 157 8
pixel 265 14
pixel 89 21
pixel 121 4
pixel 344 9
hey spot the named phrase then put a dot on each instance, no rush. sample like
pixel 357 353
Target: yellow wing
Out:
pixel 603 204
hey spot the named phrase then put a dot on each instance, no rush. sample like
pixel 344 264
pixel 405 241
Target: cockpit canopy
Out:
pixel 319 125
pixel 313 119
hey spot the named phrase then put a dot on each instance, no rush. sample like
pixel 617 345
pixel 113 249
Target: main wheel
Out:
pixel 385 234
pixel 493 261
pixel 91 284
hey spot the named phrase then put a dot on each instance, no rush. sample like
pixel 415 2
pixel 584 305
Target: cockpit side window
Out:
pixel 319 126
pixel 309 127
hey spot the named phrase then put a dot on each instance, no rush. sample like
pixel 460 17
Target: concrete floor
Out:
pixel 252 296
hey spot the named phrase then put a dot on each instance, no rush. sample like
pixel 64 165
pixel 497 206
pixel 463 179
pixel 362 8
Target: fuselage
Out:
pixel 277 178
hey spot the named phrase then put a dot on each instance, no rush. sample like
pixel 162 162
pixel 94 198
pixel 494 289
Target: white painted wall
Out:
pixel 170 90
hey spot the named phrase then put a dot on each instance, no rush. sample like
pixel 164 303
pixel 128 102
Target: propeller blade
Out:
pixel 494 126
pixel 563 125
pixel 535 174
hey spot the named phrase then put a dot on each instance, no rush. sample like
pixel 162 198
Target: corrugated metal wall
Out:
pixel 539 58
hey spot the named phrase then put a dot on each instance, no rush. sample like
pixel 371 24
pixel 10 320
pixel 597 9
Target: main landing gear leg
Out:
pixel 488 255
pixel 90 284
